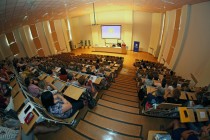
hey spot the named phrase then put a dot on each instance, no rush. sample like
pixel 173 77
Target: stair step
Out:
pixel 118 106
pixel 118 115
pixel 120 101
pixel 121 96
pixel 99 133
pixel 117 126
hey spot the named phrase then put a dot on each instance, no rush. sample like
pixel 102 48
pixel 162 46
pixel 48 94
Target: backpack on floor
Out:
pixel 142 92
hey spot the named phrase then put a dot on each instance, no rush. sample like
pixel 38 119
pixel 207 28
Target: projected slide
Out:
pixel 111 31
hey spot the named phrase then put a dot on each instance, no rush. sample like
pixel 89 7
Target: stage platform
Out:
pixel 121 50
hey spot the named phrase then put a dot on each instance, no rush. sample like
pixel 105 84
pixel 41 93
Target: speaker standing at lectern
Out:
pixel 123 44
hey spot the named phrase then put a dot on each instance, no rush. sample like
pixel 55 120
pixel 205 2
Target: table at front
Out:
pixel 110 49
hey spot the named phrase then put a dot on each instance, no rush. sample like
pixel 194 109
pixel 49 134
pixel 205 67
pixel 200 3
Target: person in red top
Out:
pixel 63 74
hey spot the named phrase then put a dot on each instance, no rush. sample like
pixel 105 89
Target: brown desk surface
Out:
pixel 202 115
pixel 152 133
pixel 192 96
pixel 49 79
pixel 74 92
pixel 190 113
pixel 16 88
pixel 151 89
pixel 18 100
pixel 42 76
pixel 12 83
pixel 27 127
pixel 183 96
pixel 98 80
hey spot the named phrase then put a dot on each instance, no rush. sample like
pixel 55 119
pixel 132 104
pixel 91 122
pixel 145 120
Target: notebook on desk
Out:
pixel 59 85
pixel 93 78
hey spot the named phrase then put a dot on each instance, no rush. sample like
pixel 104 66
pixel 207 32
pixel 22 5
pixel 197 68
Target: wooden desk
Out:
pixel 202 115
pixel 42 76
pixel 151 89
pixel 15 90
pixel 183 96
pixel 49 79
pixel 110 49
pixel 152 133
pixel 27 127
pixel 191 96
pixel 186 115
pixel 107 73
pixel 98 80
pixel 18 100
pixel 13 82
pixel 74 92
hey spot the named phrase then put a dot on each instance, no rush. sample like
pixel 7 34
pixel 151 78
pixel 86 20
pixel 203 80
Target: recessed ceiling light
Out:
pixel 45 14
pixel 25 17
pixel 170 2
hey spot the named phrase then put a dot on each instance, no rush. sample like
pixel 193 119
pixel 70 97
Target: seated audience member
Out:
pixel 58 106
pixel 14 131
pixel 175 97
pixel 164 81
pixel 72 80
pixel 4 77
pixel 3 102
pixel 88 85
pixel 180 131
pixel 47 87
pixel 148 81
pixel 159 95
pixel 88 71
pixel 63 74
pixel 33 89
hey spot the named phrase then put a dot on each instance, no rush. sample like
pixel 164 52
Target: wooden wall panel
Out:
pixel 10 37
pixel 33 31
pixel 37 43
pixel 41 53
pixel 14 48
pixel 57 46
pixel 54 36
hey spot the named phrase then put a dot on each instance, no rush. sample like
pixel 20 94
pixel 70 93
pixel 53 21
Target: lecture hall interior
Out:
pixel 105 69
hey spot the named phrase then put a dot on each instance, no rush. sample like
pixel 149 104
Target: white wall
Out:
pixel 22 51
pixel 195 55
pixel 5 48
pixel 155 34
pixel 43 39
pixel 47 31
pixel 167 35
pixel 60 35
pixel 81 29
pixel 142 23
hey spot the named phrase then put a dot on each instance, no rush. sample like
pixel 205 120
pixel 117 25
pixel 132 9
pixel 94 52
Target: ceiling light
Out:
pixel 168 2
pixel 25 17
pixel 72 8
pixel 44 14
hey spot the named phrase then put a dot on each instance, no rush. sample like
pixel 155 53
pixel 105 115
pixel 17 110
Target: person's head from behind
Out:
pixel 47 99
pixel 28 81
pixel 150 76
pixel 160 91
pixel 81 80
pixel 49 71
pixel 63 71
pixel 42 84
pixel 176 93
pixel 174 84
pixel 88 69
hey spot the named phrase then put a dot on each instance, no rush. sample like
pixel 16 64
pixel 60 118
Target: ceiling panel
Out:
pixel 12 12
